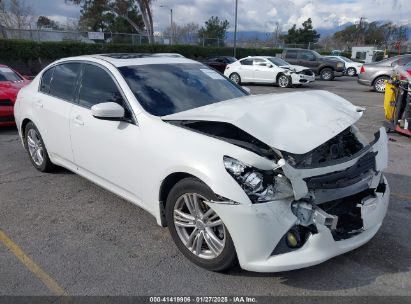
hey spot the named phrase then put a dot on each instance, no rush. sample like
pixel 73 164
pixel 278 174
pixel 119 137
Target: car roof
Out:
pixel 130 59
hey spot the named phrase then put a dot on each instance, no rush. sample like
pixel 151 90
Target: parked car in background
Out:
pixel 375 74
pixel 265 69
pixel 274 181
pixel 326 68
pixel 352 68
pixel 10 84
pixel 220 62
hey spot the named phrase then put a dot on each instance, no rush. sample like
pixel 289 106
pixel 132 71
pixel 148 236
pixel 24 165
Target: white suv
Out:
pixel 277 181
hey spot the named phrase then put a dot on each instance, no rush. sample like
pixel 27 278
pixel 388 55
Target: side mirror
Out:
pixel 247 89
pixel 108 111
pixel 270 65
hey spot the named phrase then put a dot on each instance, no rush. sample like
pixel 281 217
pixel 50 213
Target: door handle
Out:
pixel 78 121
pixel 39 104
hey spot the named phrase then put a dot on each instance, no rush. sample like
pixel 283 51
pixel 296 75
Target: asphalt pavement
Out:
pixel 87 241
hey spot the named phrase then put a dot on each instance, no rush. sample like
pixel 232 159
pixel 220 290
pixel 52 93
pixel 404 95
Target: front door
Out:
pixel 106 151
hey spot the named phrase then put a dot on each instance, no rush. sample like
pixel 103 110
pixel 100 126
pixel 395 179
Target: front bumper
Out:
pixel 257 229
pixel 299 78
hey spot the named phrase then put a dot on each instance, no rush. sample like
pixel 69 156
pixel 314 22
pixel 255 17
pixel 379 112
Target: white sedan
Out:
pixel 264 69
pixel 352 68
pixel 277 181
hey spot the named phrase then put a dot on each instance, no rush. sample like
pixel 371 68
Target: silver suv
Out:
pixel 374 74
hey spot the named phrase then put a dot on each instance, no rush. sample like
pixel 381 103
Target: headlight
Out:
pixel 260 185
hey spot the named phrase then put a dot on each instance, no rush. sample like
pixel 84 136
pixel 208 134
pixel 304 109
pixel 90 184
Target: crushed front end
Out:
pixel 339 200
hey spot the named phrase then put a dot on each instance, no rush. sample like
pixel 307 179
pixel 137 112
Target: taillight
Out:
pixel 362 69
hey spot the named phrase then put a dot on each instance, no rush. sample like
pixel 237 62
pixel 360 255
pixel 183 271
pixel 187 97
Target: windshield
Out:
pixel 278 61
pixel 346 59
pixel 164 89
pixel 7 74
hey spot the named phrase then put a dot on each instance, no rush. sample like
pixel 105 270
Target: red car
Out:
pixel 10 84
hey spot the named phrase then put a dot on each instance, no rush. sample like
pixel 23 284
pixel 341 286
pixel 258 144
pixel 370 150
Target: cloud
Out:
pixel 259 15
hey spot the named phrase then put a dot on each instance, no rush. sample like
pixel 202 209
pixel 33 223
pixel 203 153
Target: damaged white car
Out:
pixel 270 70
pixel 277 182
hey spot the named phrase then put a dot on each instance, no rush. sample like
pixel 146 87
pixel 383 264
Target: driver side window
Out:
pixel 97 86
pixel 305 55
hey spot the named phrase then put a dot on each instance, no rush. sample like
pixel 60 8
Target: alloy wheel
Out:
pixel 35 146
pixel 380 85
pixel 283 81
pixel 200 229
pixel 326 75
pixel 235 78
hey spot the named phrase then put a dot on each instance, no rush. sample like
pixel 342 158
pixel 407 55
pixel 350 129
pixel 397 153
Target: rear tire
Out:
pixel 379 84
pixel 234 77
pixel 210 247
pixel 327 74
pixel 36 149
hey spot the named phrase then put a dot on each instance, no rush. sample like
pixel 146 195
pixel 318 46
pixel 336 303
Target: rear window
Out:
pixel 164 89
pixel 45 80
pixel 64 80
pixel 7 74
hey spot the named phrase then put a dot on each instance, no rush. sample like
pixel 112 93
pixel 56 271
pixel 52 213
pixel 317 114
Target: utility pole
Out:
pixel 171 23
pixel 235 29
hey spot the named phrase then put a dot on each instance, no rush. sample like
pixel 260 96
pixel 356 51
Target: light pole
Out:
pixel 235 29
pixel 171 23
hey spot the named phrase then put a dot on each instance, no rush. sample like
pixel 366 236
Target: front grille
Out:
pixel 307 72
pixel 6 102
pixel 348 211
pixel 8 118
pixel 343 178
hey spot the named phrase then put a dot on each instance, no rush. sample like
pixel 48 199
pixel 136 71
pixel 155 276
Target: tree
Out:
pixel 15 15
pixel 215 31
pixel 375 33
pixel 114 16
pixel 45 22
pixel 185 34
pixel 124 9
pixel 304 35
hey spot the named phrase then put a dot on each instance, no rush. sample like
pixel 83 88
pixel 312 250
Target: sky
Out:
pixel 254 15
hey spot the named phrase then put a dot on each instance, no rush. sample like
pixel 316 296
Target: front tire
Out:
pixel 327 74
pixel 379 84
pixel 36 149
pixel 284 81
pixel 351 72
pixel 234 77
pixel 196 229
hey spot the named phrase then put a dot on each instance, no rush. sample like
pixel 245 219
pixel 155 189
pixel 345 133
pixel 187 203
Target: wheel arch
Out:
pixel 23 126
pixel 166 185
pixel 378 76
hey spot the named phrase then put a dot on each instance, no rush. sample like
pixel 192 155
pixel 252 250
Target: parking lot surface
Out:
pixel 88 241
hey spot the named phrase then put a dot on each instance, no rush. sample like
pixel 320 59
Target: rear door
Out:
pixel 53 106
pixel 291 56
pixel 108 152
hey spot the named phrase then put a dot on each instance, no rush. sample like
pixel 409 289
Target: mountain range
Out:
pixel 324 32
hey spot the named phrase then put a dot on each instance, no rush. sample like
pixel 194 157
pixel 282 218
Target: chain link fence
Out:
pixel 40 35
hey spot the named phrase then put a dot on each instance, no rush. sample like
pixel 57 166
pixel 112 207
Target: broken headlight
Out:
pixel 260 185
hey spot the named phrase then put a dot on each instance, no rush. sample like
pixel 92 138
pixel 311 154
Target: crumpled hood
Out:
pixel 294 122
pixel 297 68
